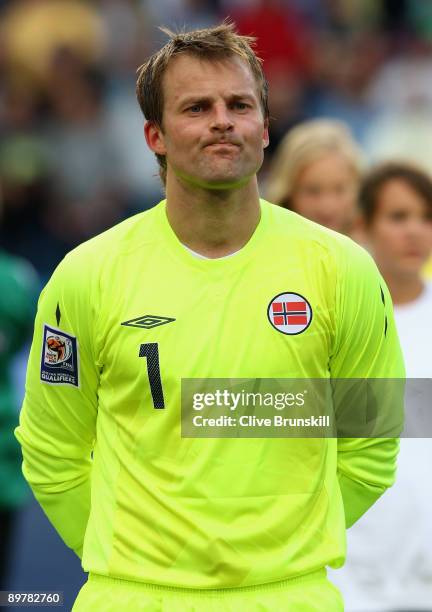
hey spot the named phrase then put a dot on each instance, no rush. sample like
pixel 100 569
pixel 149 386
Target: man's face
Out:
pixel 213 130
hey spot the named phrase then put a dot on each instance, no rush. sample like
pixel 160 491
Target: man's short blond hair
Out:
pixel 216 43
pixel 304 144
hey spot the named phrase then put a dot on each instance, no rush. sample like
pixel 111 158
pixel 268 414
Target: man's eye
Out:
pixel 240 105
pixel 195 108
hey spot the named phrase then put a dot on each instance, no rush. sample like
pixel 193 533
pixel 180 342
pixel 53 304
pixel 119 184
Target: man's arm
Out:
pixel 58 419
pixel 366 347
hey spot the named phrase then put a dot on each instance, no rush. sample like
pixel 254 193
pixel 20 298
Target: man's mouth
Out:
pixel 221 142
pixel 222 145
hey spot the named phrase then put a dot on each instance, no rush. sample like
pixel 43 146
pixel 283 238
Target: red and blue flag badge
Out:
pixel 290 313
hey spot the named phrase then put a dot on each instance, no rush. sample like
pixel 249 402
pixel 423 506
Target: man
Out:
pixel 190 289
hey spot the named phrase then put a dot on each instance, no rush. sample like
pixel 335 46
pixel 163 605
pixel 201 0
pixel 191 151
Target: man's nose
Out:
pixel 221 118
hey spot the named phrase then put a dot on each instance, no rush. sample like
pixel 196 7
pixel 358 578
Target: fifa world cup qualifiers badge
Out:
pixel 59 363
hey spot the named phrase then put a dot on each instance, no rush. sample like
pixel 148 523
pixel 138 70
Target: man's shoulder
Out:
pixel 302 232
pixel 94 258
pixel 127 235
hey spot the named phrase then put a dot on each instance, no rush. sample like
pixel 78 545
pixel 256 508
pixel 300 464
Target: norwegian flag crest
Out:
pixel 289 313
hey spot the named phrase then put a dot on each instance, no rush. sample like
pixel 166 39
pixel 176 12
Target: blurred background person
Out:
pixel 393 572
pixel 33 29
pixel 316 172
pixel 18 293
pixel 396 204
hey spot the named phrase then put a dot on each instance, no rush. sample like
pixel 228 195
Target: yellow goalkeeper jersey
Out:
pixel 129 314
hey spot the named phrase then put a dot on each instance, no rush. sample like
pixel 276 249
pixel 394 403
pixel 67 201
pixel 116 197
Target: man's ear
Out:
pixel 154 138
pixel 266 138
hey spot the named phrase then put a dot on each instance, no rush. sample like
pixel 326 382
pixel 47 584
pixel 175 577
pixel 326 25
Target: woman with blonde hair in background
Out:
pixel 316 172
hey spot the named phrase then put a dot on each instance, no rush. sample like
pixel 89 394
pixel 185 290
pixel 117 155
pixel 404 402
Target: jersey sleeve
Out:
pixel 58 419
pixel 366 347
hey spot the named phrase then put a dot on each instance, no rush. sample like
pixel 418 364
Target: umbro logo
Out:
pixel 148 321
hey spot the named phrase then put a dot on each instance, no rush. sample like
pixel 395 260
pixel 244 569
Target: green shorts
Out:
pixel 310 593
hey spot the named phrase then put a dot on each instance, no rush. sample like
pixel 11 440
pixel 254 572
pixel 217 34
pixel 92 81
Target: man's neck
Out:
pixel 213 223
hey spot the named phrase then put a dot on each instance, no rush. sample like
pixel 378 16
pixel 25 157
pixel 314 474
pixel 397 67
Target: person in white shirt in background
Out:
pixel 389 552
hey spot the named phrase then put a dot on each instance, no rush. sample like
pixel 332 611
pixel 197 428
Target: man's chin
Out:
pixel 216 182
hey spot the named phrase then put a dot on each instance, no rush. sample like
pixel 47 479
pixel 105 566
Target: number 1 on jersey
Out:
pixel 151 351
